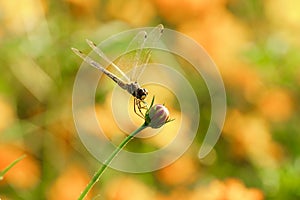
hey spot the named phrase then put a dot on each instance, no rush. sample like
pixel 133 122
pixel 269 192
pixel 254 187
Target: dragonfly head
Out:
pixel 141 93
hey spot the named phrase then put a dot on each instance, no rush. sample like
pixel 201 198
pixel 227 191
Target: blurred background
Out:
pixel 254 43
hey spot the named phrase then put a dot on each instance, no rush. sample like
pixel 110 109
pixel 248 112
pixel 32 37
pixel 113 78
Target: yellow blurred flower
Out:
pixel 25 174
pixel 106 119
pixel 69 184
pixel 21 16
pixel 285 16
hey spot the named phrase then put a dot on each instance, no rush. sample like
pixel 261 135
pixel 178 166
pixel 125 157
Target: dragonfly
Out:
pixel 142 53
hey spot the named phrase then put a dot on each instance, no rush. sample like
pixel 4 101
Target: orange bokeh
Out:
pixel 69 184
pixel 188 172
pixel 276 105
pixel 181 11
pixel 250 138
pixel 126 188
pixel 25 174
pixel 231 189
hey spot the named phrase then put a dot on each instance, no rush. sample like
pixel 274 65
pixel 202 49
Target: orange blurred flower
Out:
pixel 250 137
pixel 231 189
pixel 126 188
pixel 179 11
pixel 69 184
pixel 178 193
pixel 276 105
pixel 83 7
pixel 220 33
pixel 243 80
pixel 25 174
pixel 134 12
pixel 182 171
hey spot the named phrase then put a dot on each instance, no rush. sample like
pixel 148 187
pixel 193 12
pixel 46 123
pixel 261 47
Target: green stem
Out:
pixel 10 166
pixel 98 174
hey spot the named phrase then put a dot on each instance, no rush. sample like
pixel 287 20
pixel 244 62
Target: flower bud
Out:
pixel 159 115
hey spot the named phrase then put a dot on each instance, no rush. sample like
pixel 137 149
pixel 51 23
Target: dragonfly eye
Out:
pixel 141 93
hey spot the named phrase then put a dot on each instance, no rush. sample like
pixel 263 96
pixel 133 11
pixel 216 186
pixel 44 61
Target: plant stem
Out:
pixel 10 166
pixel 98 174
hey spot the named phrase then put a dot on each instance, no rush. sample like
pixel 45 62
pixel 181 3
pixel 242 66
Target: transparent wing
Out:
pixel 138 51
pixel 106 59
pixel 97 65
pixel 131 58
pixel 145 52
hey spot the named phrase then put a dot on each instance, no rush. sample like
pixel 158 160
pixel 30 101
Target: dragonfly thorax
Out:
pixel 141 93
pixel 137 91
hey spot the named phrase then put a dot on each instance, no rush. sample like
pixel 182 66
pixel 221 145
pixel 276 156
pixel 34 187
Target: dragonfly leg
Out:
pixel 137 103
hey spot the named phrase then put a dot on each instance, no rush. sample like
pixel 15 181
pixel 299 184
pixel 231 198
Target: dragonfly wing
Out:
pixel 106 59
pixel 131 59
pixel 97 65
pixel 144 53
